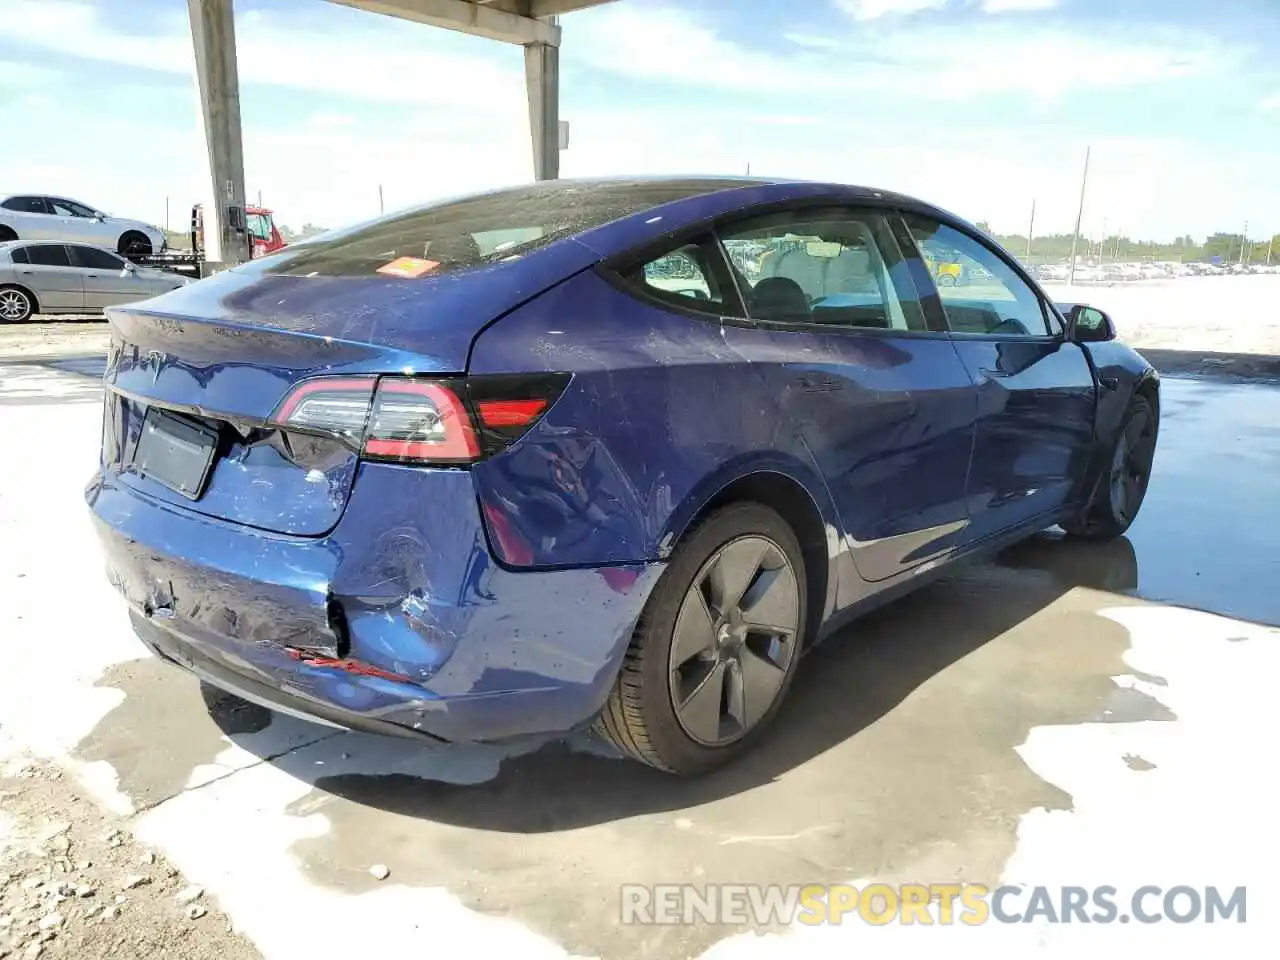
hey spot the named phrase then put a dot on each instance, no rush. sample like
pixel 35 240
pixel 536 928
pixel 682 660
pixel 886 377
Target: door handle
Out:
pixel 27 273
pixel 91 276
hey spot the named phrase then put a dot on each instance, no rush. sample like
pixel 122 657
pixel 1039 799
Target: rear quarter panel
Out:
pixel 659 416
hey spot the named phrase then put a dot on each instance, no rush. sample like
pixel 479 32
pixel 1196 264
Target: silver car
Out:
pixel 32 216
pixel 72 278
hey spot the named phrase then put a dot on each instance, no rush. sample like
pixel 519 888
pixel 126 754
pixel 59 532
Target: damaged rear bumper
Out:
pixel 398 621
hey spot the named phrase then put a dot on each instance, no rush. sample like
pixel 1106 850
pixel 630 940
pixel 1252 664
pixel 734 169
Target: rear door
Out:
pixel 878 394
pixel 31 218
pixel 1035 390
pixel 107 281
pixel 57 284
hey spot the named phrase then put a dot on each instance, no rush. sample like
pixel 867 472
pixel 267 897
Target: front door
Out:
pixel 57 284
pixel 1035 391
pixel 877 393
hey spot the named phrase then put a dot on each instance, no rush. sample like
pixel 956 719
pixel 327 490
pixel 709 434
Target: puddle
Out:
pixel 895 757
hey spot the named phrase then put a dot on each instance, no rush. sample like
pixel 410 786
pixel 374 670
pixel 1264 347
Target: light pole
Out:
pixel 1031 229
pixel 1084 180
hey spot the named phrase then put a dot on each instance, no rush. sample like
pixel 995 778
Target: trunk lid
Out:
pixel 219 356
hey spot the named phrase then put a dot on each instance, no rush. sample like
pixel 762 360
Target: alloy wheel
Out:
pixel 14 305
pixel 1131 466
pixel 734 639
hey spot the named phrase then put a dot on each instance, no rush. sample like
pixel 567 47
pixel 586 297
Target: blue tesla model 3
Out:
pixel 607 452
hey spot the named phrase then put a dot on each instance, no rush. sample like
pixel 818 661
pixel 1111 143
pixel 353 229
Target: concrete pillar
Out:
pixel 542 84
pixel 214 34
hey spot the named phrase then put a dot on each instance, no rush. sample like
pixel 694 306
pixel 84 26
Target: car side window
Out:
pixel 19 255
pixel 69 208
pixel 980 293
pixel 26 204
pixel 835 267
pixel 94 259
pixel 686 277
pixel 48 255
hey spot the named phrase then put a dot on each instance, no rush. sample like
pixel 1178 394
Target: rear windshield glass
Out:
pixel 485 228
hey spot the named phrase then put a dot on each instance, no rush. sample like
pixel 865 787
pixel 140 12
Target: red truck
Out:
pixel 259 228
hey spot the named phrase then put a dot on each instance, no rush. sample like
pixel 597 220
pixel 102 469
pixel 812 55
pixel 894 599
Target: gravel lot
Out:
pixel 74 882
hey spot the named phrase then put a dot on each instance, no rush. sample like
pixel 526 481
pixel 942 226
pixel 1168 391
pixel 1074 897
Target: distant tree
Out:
pixel 1224 245
pixel 291 235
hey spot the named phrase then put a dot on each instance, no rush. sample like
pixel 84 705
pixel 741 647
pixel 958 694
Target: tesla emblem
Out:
pixel 155 359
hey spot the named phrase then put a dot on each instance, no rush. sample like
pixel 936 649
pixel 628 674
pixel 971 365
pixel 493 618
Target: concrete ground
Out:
pixel 1067 714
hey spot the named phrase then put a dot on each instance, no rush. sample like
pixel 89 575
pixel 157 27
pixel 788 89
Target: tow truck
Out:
pixel 259 230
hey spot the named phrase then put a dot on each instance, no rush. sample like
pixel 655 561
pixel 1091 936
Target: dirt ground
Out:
pixel 75 884
pixel 60 336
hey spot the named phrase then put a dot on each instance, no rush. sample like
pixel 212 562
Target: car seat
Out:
pixel 780 299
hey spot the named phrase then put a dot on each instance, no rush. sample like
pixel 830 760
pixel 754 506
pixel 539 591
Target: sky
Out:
pixel 979 106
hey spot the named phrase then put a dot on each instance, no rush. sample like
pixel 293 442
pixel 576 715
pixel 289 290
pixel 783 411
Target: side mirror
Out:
pixel 130 266
pixel 1087 324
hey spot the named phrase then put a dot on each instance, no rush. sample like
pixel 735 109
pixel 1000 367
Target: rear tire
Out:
pixel 716 647
pixel 16 305
pixel 1120 492
pixel 134 244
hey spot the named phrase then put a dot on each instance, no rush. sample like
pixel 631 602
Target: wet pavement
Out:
pixel 909 749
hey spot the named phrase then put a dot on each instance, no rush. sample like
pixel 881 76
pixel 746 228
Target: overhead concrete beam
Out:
pixel 553 8
pixel 480 20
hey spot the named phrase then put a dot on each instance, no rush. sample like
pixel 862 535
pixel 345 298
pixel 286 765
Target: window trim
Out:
pixel 1046 304
pixel 786 208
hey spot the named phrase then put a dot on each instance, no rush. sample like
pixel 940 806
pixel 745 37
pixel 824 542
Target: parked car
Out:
pixel 392 483
pixel 71 278
pixel 42 217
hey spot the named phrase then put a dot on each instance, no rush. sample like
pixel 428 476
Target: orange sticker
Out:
pixel 408 267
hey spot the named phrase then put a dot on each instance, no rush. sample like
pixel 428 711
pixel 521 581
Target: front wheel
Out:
pixel 1120 493
pixel 716 647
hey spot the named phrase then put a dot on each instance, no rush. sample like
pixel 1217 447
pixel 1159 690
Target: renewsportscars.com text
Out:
pixel 928 904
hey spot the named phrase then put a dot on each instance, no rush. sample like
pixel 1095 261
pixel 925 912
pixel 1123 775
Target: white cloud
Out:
pixel 1008 6
pixel 874 9
pixel 1270 103
pixel 919 59
pixel 337 52
pixel 15 74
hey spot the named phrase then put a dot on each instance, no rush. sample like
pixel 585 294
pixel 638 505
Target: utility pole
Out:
pixel 166 214
pixel 1270 243
pixel 381 207
pixel 1243 240
pixel 259 199
pixel 1102 247
pixel 1084 180
pixel 1031 230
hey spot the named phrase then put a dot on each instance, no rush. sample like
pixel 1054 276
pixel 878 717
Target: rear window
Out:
pixel 485 228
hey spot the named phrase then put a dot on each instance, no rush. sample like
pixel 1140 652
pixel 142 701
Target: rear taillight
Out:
pixel 412 420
